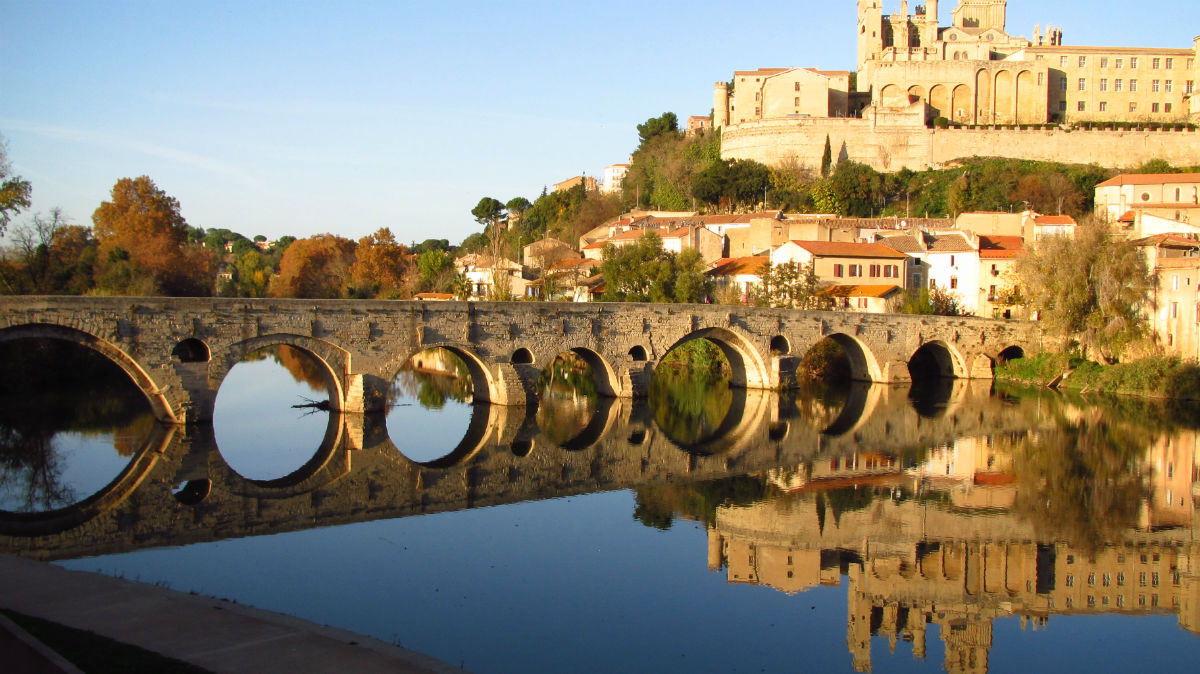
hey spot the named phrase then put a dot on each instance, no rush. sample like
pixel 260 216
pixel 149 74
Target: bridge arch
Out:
pixel 863 364
pixel 334 360
pixel 937 359
pixel 484 385
pixel 159 404
pixel 603 373
pixel 749 370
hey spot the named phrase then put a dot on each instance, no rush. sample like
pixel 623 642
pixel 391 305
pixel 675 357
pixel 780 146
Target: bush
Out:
pixel 941 123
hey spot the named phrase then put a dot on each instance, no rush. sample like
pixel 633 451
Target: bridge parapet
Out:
pixel 179 350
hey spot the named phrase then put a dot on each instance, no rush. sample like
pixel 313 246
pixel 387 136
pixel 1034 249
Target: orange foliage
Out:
pixel 316 267
pixel 382 267
pixel 141 234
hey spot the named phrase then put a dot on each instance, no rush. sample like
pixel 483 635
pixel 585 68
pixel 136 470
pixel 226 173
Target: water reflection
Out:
pixel 70 421
pixel 937 512
pixel 261 434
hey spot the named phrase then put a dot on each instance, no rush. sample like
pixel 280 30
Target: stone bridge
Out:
pixel 179 350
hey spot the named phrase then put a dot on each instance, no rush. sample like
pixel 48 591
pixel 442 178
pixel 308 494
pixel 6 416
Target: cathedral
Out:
pixel 972 72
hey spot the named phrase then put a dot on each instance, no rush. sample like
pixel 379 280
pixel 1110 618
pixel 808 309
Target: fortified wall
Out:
pixel 890 148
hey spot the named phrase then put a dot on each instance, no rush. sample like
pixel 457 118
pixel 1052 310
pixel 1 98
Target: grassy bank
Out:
pixel 1158 376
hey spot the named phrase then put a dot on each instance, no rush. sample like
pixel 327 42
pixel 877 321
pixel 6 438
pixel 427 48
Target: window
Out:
pixel 1070 581
pixel 1121 579
pixel 1062 106
pixel 1062 84
pixel 1103 84
pixel 758 95
pixel 1103 106
pixel 1120 63
pixel 1133 61
pixel 838 271
pixel 757 111
pixel 1091 579
pixel 862 303
pixel 797 86
pixel 856 270
pixel 797 102
pixel 1167 108
pixel 1133 85
pixel 1107 580
pixel 1103 61
pixel 1154 86
pixel 1062 62
pixel 1174 309
pixel 1154 579
pixel 1041 79
pixel 1082 106
pixel 1169 86
pixel 1155 63
pixel 1154 107
pixel 1133 107
pixel 1119 85
pixel 1082 61
pixel 1175 282
pixel 1142 579
pixel 1170 64
pixel 1082 84
pixel 953 282
pixel 1189 87
pixel 874 271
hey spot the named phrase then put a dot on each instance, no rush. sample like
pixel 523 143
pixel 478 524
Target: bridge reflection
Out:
pixel 180 489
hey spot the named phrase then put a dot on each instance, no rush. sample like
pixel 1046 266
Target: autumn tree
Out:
pixel 15 193
pixel 381 267
pixel 1089 290
pixel 316 267
pixel 49 256
pixel 143 244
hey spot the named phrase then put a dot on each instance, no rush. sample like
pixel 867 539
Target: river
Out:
pixel 950 525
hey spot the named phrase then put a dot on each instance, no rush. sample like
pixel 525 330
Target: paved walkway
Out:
pixel 216 635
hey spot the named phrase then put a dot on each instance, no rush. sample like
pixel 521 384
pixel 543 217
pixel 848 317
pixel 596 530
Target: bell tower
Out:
pixel 870 31
pixel 929 29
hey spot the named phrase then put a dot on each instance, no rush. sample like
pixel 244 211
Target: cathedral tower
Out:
pixel 870 31
pixel 929 29
pixel 981 14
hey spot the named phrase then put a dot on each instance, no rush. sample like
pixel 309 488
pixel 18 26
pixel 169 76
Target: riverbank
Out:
pixel 212 634
pixel 1154 377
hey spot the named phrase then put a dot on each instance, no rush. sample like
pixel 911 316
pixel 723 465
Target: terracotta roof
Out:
pixel 861 290
pixel 955 242
pixel 576 263
pixel 594 246
pixel 1150 179
pixel 737 266
pixel 904 243
pixel 1167 241
pixel 635 234
pixel 839 249
pixel 1055 220
pixel 1000 247
pixel 1177 263
pixel 1130 216
pixel 761 71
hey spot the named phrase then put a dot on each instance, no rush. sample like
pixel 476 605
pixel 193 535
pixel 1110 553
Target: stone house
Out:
pixel 841 263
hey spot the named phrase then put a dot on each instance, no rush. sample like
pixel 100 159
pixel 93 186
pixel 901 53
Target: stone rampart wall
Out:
pixel 887 148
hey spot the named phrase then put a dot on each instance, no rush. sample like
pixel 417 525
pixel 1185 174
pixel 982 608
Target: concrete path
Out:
pixel 216 635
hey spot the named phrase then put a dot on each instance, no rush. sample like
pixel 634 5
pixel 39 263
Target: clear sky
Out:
pixel 303 117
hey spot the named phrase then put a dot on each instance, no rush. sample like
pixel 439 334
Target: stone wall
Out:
pixel 890 148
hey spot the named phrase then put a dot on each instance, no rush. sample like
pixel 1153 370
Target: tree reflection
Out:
pixel 567 398
pixel 1081 481
pixel 657 505
pixel 30 465
pixel 689 393
pixel 433 377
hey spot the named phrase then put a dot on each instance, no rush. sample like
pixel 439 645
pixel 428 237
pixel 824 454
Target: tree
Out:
pixel 143 244
pixel 1089 290
pixel 316 267
pixel 644 272
pixel 934 301
pixel 488 211
pixel 790 286
pixel 665 124
pixel 15 192
pixel 380 268
pixel 53 257
pixel 826 158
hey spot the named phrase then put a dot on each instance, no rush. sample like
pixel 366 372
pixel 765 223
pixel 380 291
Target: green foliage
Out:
pixel 1155 376
pixel 1089 290
pixel 826 158
pixel 930 302
pixel 431 244
pixel 15 192
pixel 663 167
pixel 789 286
pixel 665 125
pixel 656 506
pixel 644 272
pixel 487 211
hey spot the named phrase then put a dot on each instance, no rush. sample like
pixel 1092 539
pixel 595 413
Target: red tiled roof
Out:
pixel 576 263
pixel 860 290
pixel 1130 216
pixel 1167 241
pixel 1150 179
pixel 1055 220
pixel 594 246
pixel 1000 247
pixel 841 249
pixel 737 266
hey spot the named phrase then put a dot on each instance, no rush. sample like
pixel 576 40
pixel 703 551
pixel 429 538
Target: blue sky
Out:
pixel 305 117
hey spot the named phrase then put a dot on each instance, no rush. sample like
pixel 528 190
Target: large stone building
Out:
pixel 913 71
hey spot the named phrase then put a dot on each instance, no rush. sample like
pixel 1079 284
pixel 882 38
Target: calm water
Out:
pixel 705 529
